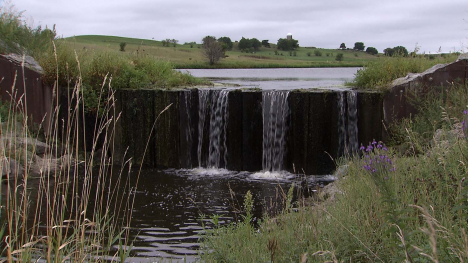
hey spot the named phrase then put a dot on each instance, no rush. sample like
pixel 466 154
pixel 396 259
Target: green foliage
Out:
pixel 247 45
pixel 122 46
pixel 256 44
pixel 317 53
pixel 287 44
pixel 339 57
pixel 226 43
pixel 244 44
pixel 397 51
pixel 359 46
pixel 414 213
pixel 383 71
pixel 343 46
pixel 17 37
pixel 372 51
pixel 212 49
pixel 265 43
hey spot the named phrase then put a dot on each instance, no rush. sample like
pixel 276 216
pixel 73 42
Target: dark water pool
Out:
pixel 169 205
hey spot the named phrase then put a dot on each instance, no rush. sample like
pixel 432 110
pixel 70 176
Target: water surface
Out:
pixel 280 78
pixel 170 204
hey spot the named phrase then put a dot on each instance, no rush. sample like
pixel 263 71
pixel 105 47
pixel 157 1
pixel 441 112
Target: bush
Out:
pixel 383 71
pixel 17 37
pixel 317 53
pixel 122 46
pixel 339 57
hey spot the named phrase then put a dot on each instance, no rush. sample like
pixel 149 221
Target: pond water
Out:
pixel 169 206
pixel 280 78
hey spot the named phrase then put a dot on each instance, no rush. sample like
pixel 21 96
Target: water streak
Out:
pixel 275 126
pixel 218 129
pixel 353 143
pixel 347 123
pixel 202 105
pixel 216 101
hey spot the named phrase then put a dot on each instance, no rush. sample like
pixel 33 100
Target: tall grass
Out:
pixel 413 210
pixel 59 206
pixel 380 73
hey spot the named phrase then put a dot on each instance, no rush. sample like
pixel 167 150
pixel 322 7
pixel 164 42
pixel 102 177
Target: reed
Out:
pixel 59 205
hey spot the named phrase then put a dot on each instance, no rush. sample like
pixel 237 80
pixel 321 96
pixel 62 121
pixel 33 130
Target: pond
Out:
pixel 280 78
pixel 169 204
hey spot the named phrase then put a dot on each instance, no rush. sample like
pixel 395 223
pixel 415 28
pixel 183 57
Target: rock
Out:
pixel 463 56
pixel 411 77
pixel 29 62
pixel 51 165
pixel 33 145
pixel 444 139
pixel 10 167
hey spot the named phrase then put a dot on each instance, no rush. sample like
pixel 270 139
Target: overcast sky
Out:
pixel 432 24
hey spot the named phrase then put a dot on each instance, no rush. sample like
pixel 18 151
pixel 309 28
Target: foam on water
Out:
pixel 268 175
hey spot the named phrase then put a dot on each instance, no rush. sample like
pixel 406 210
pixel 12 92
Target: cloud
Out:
pixel 314 23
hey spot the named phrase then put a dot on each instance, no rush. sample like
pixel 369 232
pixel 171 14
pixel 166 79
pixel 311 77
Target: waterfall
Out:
pixel 189 131
pixel 218 112
pixel 275 125
pixel 202 105
pixel 342 131
pixel 351 99
pixel 218 129
pixel 348 129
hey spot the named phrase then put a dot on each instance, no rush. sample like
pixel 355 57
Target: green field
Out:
pixel 184 56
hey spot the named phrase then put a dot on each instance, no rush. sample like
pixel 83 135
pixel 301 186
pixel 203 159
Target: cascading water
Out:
pixel 202 105
pixel 218 110
pixel 275 125
pixel 189 131
pixel 351 99
pixel 342 133
pixel 348 129
pixel 218 129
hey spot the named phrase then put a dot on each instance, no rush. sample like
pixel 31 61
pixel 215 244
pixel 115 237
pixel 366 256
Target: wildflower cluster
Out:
pixel 375 158
pixel 465 123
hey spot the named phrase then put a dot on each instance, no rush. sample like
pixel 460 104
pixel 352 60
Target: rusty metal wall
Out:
pixel 25 87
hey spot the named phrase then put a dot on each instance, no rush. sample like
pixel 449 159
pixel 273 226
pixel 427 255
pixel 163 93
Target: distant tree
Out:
pixel 317 53
pixel 174 42
pixel 192 44
pixel 359 46
pixel 212 49
pixel 122 46
pixel 244 44
pixel 372 51
pixel 166 42
pixel 265 43
pixel 400 51
pixel 339 57
pixel 287 44
pixel 388 52
pixel 226 43
pixel 256 44
pixel 343 46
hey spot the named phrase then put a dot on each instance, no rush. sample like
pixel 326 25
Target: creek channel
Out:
pixel 169 203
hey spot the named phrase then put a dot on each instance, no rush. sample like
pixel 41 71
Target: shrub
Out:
pixel 383 71
pixel 122 46
pixel 317 53
pixel 17 37
pixel 339 57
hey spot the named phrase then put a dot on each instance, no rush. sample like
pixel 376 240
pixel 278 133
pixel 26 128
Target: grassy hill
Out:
pixel 185 56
